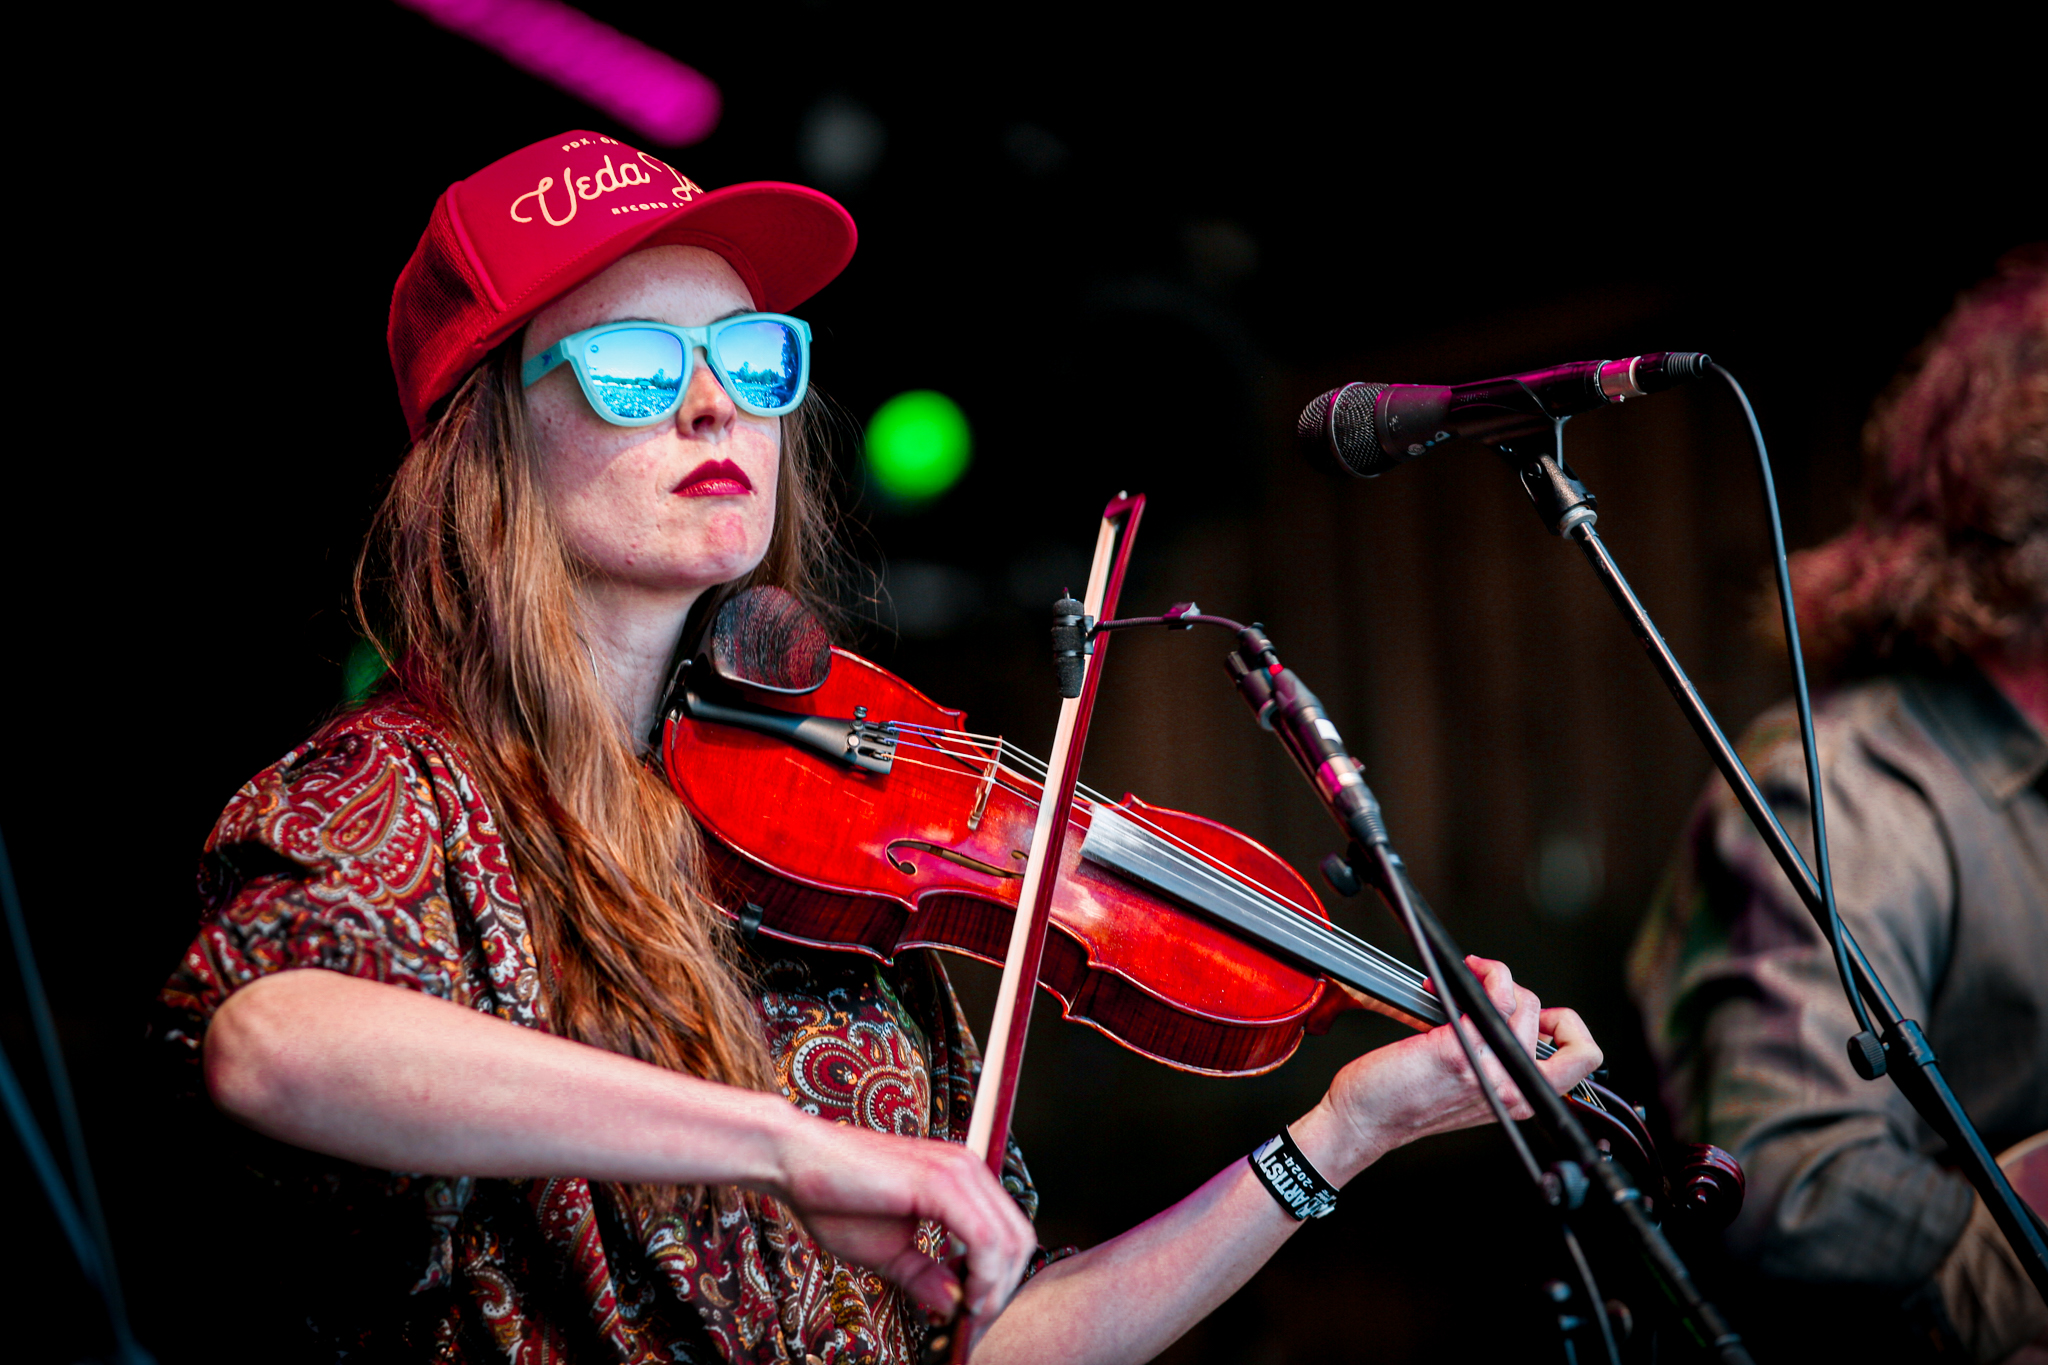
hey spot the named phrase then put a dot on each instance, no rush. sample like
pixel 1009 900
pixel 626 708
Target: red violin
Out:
pixel 850 811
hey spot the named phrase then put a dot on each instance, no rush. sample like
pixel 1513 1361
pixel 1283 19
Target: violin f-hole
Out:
pixel 909 869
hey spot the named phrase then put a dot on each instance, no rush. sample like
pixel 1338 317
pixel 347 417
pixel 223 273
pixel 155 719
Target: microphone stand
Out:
pixel 1584 1176
pixel 1285 706
pixel 1567 509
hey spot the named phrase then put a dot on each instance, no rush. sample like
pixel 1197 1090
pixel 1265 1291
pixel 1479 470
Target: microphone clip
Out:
pixel 1071 644
pixel 1561 500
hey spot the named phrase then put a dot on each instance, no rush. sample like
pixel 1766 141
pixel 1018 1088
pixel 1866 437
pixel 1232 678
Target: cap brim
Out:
pixel 795 239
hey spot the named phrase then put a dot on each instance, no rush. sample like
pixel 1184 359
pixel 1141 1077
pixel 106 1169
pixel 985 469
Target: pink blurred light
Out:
pixel 647 90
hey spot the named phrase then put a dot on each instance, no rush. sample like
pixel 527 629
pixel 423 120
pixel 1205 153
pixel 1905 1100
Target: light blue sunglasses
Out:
pixel 634 373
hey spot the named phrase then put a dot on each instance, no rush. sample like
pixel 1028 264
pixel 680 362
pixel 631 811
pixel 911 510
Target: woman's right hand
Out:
pixel 860 1194
pixel 397 1079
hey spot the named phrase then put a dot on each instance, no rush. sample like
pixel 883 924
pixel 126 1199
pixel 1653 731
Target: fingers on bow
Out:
pixel 998 1237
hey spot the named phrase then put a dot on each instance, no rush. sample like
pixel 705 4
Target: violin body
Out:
pixel 931 855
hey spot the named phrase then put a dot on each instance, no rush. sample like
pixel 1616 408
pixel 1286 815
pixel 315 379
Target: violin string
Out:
pixel 973 764
pixel 965 747
pixel 973 758
pixel 983 749
pixel 977 758
pixel 903 762
pixel 1024 794
pixel 1192 864
pixel 1393 964
pixel 922 729
pixel 954 772
pixel 991 745
pixel 1188 859
pixel 1036 768
pixel 1182 850
pixel 1177 852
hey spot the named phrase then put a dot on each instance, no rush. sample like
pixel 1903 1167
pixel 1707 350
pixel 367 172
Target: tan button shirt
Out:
pixel 1938 828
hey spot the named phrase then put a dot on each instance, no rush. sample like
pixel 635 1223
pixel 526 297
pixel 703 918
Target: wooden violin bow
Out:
pixel 988 1130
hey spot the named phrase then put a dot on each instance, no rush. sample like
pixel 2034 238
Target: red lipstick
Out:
pixel 715 479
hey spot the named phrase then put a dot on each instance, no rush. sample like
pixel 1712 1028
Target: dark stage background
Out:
pixel 1249 209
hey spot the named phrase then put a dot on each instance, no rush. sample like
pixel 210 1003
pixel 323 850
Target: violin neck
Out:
pixel 1377 981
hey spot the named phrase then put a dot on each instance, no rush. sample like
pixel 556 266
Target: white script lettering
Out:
pixel 607 179
pixel 540 192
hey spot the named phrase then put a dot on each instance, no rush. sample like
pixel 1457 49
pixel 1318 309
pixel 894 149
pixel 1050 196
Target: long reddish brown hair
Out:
pixel 468 590
pixel 1949 551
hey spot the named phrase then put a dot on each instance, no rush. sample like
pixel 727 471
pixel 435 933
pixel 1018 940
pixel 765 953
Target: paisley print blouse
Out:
pixel 370 851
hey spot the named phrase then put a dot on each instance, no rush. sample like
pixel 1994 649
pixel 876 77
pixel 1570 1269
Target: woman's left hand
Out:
pixel 1422 1085
pixel 1132 1296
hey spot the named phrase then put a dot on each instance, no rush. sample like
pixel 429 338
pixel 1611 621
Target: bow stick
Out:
pixel 988 1130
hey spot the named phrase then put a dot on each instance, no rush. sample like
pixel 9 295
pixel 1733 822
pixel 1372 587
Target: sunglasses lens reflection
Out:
pixel 764 361
pixel 635 372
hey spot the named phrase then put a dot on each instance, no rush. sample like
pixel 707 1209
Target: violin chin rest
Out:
pixel 765 637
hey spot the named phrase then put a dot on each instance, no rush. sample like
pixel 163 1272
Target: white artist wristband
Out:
pixel 1292 1178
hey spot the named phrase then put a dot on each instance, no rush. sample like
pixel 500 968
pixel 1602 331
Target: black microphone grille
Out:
pixel 1339 425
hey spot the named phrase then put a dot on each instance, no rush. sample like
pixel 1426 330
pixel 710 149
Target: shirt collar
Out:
pixel 1995 745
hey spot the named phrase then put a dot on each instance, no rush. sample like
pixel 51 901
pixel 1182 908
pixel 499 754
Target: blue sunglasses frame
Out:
pixel 572 349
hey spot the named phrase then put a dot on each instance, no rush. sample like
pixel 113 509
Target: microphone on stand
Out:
pixel 1369 428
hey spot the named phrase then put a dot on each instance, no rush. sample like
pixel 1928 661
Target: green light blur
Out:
pixel 363 671
pixel 918 446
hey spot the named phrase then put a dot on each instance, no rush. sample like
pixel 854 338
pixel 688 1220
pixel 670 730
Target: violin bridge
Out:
pixel 988 783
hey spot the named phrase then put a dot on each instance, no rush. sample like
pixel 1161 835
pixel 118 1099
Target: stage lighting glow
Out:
pixel 648 91
pixel 363 670
pixel 918 446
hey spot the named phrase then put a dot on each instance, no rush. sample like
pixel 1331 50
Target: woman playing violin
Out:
pixel 459 979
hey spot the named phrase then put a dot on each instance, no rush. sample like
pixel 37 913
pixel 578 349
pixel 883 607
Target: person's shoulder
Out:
pixel 393 731
pixel 381 740
pixel 1994 750
pixel 1847 722
pixel 358 773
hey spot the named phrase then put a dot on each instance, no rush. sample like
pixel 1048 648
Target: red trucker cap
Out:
pixel 526 229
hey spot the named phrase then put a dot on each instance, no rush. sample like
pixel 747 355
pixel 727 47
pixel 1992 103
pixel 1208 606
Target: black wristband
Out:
pixel 1292 1178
